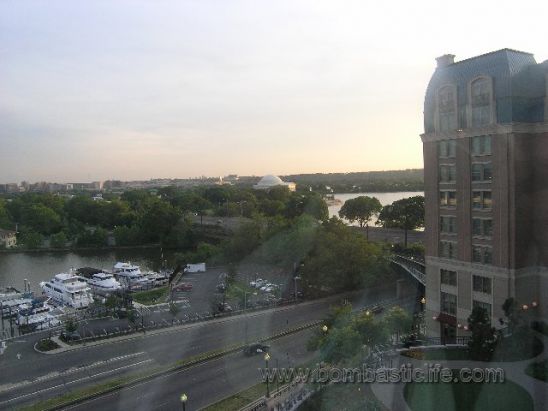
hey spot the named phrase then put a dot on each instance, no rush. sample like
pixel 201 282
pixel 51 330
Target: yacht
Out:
pixel 158 279
pixel 38 315
pixel 103 283
pixel 68 289
pixel 131 275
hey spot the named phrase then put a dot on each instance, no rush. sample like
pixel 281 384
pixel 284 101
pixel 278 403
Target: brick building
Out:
pixel 485 147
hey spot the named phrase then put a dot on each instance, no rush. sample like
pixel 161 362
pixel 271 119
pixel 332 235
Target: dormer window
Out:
pixel 480 101
pixel 447 108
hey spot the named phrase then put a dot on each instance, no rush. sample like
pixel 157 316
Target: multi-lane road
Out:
pixel 28 376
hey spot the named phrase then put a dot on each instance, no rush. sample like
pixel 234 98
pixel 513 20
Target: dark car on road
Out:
pixel 255 348
pixel 70 336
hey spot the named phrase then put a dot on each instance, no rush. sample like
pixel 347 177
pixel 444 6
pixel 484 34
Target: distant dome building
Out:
pixel 270 181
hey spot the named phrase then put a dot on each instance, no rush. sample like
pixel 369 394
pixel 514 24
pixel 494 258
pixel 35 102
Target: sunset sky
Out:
pixel 96 90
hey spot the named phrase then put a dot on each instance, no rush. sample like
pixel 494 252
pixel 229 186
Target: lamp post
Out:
pixel 324 328
pixel 184 398
pixel 266 358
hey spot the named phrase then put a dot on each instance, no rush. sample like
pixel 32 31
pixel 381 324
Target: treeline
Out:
pixel 371 181
pixel 139 217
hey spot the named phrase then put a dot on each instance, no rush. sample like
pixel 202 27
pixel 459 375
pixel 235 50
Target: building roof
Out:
pixel 2 231
pixel 518 84
pixel 270 180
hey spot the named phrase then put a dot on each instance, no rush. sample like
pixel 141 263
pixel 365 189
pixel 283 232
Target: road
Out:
pixel 34 376
pixel 206 383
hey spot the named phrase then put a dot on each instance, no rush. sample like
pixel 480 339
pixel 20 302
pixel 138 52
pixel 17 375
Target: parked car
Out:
pixel 183 287
pixel 70 336
pixel 260 283
pixel 224 308
pixel 255 348
pixel 255 282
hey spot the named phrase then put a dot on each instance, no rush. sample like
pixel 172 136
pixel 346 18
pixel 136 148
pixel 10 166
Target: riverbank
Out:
pixel 76 249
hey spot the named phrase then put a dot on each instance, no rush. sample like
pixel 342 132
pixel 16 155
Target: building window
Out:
pixel 448 303
pixel 447 109
pixel 481 146
pixel 482 172
pixel 448 199
pixel 447 148
pixel 485 306
pixel 448 249
pixel 481 284
pixel 448 173
pixel 448 224
pixel 482 227
pixel 481 102
pixel 481 200
pixel 482 254
pixel 448 277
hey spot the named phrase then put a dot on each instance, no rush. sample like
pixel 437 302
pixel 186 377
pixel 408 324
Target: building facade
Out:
pixel 485 147
pixel 8 238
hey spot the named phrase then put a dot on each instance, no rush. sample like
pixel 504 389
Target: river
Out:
pixel 384 198
pixel 40 266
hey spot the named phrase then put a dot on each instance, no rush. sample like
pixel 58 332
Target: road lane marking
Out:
pixel 75 381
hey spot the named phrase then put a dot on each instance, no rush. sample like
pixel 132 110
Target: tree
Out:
pixel 407 213
pixel 360 209
pixel 58 240
pixel 5 218
pixel 340 343
pixel 398 321
pixel 31 239
pixel 484 337
pixel 371 330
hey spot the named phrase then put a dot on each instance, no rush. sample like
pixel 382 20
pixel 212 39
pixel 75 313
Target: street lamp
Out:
pixel 324 328
pixel 266 358
pixel 183 401
pixel 423 300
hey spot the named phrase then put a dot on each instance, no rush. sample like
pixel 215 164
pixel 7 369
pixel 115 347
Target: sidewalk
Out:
pixel 391 394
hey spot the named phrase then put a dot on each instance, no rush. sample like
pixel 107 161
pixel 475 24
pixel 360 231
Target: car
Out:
pixel 70 336
pixel 224 308
pixel 256 348
pixel 377 309
pixel 183 287
pixel 256 282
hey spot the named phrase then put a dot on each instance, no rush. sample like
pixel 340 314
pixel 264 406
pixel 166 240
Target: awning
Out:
pixel 447 319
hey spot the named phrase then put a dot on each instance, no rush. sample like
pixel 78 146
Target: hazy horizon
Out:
pixel 133 90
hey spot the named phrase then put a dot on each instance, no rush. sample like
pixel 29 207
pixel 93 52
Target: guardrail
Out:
pixel 414 267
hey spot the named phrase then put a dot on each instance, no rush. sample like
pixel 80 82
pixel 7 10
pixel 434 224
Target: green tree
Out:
pixel 31 239
pixel 5 217
pixel 59 240
pixel 398 321
pixel 360 209
pixel 483 340
pixel 341 343
pixel 371 330
pixel 40 218
pixel 407 214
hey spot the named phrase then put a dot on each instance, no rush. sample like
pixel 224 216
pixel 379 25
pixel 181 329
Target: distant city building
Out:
pixel 485 148
pixel 8 238
pixel 270 181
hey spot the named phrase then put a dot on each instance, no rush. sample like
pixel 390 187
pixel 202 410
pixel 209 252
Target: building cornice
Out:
pixel 530 128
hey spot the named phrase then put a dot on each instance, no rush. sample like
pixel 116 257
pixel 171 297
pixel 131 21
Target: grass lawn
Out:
pixel 46 345
pixel 349 397
pixel 507 350
pixel 538 370
pixel 467 396
pixel 239 400
pixel 150 297
pixel 449 354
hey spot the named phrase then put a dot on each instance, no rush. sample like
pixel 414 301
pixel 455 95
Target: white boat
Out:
pixel 38 316
pixel 68 289
pixel 131 275
pixel 103 283
pixel 158 279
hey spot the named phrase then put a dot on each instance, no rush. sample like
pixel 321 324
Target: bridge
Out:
pixel 413 266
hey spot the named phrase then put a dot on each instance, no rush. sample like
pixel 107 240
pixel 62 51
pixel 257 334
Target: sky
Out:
pixel 130 90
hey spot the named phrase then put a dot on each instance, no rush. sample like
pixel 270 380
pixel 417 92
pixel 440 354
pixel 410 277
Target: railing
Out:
pixel 414 267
